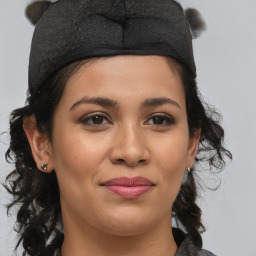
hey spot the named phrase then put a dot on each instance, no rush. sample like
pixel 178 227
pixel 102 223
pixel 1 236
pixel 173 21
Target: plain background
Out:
pixel 226 60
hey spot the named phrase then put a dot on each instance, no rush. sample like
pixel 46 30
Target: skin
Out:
pixel 127 141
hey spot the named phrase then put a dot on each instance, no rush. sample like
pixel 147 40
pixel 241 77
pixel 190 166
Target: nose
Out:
pixel 130 147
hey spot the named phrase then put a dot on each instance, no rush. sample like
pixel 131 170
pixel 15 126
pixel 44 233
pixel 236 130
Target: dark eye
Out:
pixel 94 120
pixel 160 120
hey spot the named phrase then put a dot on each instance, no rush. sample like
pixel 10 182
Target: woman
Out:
pixel 105 147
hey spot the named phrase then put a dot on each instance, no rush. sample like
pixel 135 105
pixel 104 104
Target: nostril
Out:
pixel 120 160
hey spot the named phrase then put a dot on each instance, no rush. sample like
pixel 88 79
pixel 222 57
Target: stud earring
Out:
pixel 189 170
pixel 44 167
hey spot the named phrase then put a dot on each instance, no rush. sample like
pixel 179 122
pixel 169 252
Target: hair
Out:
pixel 36 194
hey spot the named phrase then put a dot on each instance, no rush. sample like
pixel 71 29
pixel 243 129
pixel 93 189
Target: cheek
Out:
pixel 171 151
pixel 78 162
pixel 76 156
pixel 171 158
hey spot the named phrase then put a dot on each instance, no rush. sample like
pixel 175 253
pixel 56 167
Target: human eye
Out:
pixel 160 119
pixel 95 120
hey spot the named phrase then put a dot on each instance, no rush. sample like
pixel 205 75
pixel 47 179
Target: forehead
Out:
pixel 125 75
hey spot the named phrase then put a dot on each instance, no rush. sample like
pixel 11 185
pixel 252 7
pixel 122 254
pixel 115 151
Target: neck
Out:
pixel 82 239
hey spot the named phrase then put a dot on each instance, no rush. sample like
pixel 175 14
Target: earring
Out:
pixel 44 167
pixel 189 170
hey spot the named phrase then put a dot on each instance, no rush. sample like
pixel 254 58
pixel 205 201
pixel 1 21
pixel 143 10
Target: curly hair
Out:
pixel 36 194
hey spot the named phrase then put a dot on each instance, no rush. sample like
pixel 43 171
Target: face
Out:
pixel 121 144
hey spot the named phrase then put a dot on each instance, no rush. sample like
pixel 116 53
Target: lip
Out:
pixel 129 188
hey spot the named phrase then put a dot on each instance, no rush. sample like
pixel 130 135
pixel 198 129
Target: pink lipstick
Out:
pixel 128 187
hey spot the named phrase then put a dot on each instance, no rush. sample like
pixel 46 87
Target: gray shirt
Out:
pixel 188 248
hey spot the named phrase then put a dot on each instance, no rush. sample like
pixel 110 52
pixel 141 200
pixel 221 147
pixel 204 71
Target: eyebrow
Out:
pixel 158 102
pixel 105 102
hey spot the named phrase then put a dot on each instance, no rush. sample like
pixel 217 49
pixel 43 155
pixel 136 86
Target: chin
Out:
pixel 128 230
pixel 128 224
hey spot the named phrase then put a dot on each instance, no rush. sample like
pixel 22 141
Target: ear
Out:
pixel 39 143
pixel 193 147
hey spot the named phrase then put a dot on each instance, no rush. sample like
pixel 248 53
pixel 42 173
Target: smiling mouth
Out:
pixel 129 188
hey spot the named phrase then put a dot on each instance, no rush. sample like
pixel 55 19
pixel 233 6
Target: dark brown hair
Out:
pixel 36 194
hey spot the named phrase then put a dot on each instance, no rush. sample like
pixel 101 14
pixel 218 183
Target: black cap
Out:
pixel 69 31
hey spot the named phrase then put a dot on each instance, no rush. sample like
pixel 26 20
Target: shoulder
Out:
pixel 188 248
pixel 207 253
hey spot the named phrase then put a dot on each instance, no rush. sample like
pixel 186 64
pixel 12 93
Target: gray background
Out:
pixel 226 62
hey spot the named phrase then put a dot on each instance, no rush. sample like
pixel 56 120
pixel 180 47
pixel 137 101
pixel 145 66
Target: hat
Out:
pixel 71 30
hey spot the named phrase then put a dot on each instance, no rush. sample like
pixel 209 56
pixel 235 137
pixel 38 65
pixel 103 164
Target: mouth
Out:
pixel 129 188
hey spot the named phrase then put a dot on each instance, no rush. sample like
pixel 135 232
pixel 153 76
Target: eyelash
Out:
pixel 166 118
pixel 89 117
